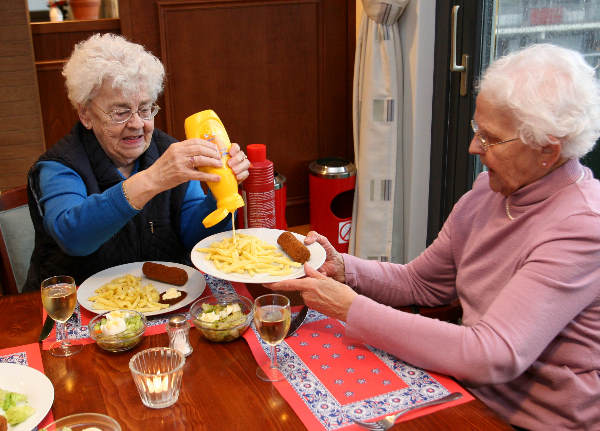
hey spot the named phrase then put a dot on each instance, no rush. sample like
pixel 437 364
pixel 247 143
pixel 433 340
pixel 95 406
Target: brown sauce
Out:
pixel 172 301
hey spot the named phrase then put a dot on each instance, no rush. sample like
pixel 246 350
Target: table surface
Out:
pixel 220 389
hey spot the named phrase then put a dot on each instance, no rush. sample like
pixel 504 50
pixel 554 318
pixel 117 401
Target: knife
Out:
pixel 298 320
pixel 48 325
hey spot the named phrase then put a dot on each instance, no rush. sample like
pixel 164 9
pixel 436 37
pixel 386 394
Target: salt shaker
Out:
pixel 178 329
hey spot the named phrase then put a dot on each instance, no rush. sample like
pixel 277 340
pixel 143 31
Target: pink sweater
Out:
pixel 529 345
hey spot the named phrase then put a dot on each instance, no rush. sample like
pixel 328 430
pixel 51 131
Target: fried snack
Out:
pixel 294 248
pixel 127 293
pixel 3 423
pixel 164 273
pixel 248 254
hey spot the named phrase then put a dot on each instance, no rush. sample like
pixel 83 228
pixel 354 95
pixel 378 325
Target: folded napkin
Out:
pixel 29 355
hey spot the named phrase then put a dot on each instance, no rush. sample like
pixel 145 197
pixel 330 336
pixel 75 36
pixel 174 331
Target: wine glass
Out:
pixel 272 318
pixel 59 297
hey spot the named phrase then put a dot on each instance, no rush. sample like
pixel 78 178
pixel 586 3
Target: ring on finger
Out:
pixel 193 161
pixel 244 157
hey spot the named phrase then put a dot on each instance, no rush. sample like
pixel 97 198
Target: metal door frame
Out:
pixel 451 166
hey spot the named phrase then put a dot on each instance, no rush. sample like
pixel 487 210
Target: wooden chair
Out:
pixel 16 239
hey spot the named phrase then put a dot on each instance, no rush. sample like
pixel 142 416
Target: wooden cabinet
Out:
pixel 52 46
pixel 277 72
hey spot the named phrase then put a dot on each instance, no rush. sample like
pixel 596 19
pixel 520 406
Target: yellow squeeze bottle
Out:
pixel 205 125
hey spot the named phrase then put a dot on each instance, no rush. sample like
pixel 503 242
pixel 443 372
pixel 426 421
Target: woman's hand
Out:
pixel 320 293
pixel 177 165
pixel 181 161
pixel 238 163
pixel 334 263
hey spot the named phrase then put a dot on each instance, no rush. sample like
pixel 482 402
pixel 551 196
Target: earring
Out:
pixel 544 164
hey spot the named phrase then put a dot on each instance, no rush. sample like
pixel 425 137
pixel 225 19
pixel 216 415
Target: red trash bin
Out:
pixel 331 188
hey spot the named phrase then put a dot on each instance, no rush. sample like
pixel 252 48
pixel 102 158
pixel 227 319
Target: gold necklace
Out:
pixel 507 207
pixel 508 214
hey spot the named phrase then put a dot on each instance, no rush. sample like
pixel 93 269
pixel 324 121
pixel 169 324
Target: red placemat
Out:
pixel 331 378
pixel 29 355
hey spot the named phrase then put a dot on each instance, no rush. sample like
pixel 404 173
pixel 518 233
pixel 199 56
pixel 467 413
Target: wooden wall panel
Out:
pixel 53 43
pixel 276 72
pixel 58 114
pixel 55 40
pixel 21 136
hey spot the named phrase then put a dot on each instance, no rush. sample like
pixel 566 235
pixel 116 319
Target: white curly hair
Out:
pixel 111 58
pixel 553 94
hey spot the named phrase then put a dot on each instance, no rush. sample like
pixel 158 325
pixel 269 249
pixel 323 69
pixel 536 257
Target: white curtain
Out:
pixel 378 212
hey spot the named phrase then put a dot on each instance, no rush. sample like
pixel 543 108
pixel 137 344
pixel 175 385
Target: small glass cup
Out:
pixel 84 421
pixel 157 373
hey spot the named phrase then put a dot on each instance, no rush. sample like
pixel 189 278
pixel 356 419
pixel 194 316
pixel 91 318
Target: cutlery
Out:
pixel 389 421
pixel 48 325
pixel 297 321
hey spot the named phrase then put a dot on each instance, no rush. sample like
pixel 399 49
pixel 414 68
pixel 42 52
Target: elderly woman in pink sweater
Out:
pixel 521 251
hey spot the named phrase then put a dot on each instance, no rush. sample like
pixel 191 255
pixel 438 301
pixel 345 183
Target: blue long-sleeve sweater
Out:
pixel 80 224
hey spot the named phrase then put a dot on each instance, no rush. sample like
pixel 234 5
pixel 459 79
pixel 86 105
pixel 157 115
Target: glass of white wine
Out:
pixel 59 297
pixel 272 318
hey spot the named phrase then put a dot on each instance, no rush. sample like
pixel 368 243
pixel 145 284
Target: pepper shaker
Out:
pixel 178 329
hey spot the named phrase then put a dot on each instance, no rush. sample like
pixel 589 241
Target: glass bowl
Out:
pixel 81 421
pixel 121 341
pixel 224 329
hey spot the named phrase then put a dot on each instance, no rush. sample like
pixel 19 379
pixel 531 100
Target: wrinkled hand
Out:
pixel 334 263
pixel 180 162
pixel 320 293
pixel 238 163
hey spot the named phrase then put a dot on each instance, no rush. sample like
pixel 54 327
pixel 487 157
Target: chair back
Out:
pixel 17 238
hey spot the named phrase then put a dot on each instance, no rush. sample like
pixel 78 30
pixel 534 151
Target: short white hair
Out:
pixel 111 58
pixel 551 92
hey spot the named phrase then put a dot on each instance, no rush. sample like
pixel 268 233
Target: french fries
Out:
pixel 127 293
pixel 247 254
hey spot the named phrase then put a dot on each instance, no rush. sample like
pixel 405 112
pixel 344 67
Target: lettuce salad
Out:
pixel 14 407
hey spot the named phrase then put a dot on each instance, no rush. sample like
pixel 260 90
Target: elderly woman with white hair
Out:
pixel 521 251
pixel 116 190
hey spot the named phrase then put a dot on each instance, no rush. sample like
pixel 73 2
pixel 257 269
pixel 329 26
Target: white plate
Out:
pixel 194 286
pixel 317 256
pixel 30 382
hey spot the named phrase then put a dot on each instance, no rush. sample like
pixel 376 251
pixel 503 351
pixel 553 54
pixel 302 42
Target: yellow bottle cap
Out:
pixel 215 217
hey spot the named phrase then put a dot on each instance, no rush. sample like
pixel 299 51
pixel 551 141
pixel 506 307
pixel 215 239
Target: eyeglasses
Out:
pixel 123 115
pixel 483 141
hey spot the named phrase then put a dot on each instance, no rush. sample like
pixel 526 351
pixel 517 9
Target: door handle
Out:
pixel 463 68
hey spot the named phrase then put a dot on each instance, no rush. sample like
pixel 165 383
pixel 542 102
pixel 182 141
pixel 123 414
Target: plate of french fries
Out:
pixel 125 287
pixel 252 256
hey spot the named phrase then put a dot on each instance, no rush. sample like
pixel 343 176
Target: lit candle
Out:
pixel 157 384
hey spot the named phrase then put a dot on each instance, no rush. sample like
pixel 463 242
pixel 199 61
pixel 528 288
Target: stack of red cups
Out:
pixel 259 191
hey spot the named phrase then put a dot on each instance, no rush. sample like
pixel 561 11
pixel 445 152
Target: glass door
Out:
pixel 514 24
pixel 485 31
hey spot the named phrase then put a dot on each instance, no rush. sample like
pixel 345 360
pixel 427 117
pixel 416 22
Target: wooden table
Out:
pixel 220 389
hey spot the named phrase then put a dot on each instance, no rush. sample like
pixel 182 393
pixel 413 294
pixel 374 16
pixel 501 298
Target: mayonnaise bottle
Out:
pixel 206 125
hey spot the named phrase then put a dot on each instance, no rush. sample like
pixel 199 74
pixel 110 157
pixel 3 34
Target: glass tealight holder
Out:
pixel 157 373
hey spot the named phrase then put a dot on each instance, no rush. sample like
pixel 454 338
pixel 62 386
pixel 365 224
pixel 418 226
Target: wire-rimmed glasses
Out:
pixel 123 115
pixel 484 142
